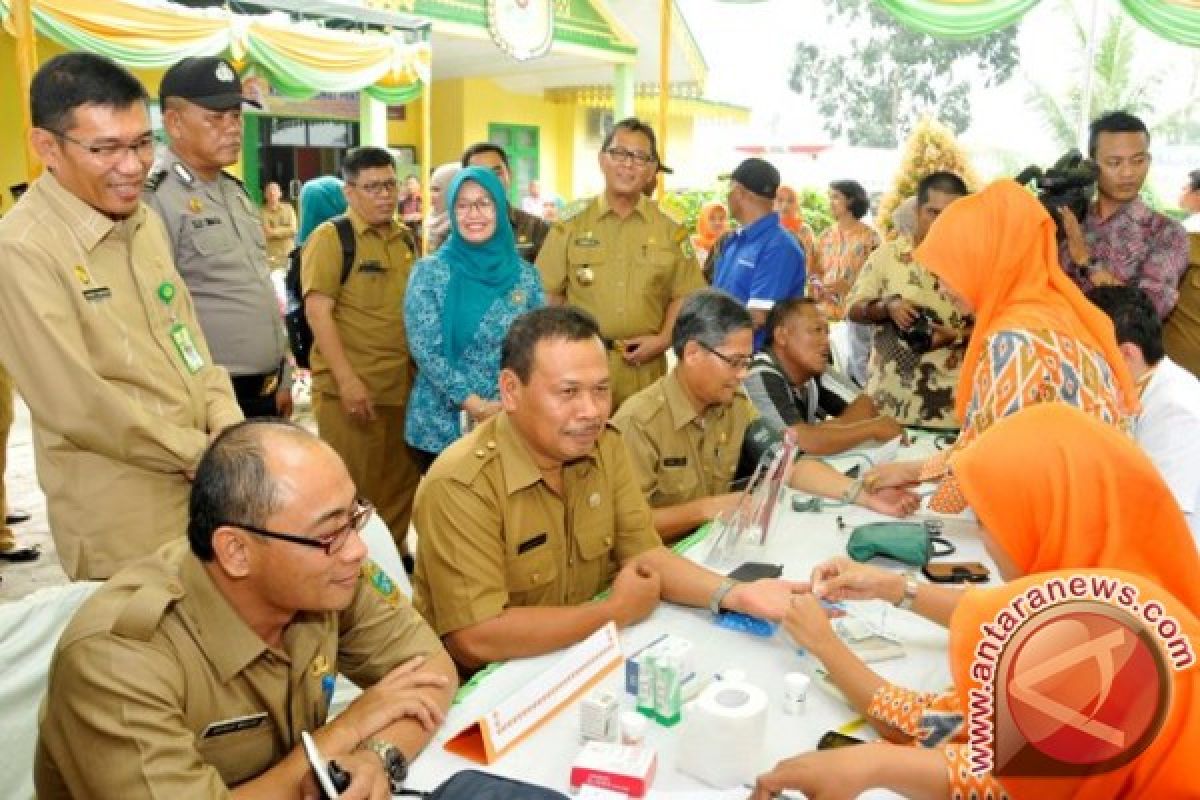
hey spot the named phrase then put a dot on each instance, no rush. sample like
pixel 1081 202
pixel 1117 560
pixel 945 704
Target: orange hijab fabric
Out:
pixel 1165 769
pixel 792 222
pixel 706 234
pixel 997 249
pixel 1056 489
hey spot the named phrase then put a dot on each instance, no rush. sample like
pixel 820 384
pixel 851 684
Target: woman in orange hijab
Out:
pixel 711 224
pixel 787 203
pixel 1036 339
pixel 1161 768
pixel 1053 489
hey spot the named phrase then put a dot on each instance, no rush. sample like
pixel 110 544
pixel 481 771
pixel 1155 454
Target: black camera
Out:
pixel 919 335
pixel 1069 183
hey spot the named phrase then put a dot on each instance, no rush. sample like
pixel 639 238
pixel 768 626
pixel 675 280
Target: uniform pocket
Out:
pixel 240 755
pixel 212 240
pixel 532 570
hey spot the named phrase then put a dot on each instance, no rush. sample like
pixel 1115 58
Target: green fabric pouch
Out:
pixel 908 542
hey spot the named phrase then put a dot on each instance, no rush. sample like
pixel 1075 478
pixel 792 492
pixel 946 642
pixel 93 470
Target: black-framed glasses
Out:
pixel 737 363
pixel 142 147
pixel 377 187
pixel 621 155
pixel 332 543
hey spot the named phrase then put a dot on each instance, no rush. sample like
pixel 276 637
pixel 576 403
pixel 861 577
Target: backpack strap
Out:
pixel 345 230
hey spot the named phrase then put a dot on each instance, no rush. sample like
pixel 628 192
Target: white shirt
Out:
pixel 1168 429
pixel 533 205
pixel 1192 223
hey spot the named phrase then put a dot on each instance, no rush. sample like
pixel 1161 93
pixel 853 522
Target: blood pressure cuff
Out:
pixel 759 440
pixel 472 784
pixel 903 541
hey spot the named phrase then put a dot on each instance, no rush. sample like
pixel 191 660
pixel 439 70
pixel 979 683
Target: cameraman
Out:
pixel 909 376
pixel 1122 242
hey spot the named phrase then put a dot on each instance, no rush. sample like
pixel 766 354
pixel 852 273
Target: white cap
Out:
pixel 797 683
pixel 633 726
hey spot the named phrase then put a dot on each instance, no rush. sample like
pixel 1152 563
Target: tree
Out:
pixel 873 91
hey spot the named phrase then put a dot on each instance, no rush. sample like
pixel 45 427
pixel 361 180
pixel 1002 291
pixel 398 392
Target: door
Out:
pixel 521 142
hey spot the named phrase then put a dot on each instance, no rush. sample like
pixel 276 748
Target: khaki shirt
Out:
pixel 529 233
pixel 220 250
pixel 494 535
pixel 624 272
pixel 369 307
pixel 158 688
pixel 118 415
pixel 680 455
pixel 1181 332
pixel 283 219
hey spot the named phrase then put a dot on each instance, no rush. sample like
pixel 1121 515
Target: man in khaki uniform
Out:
pixel 625 262
pixel 279 226
pixel 8 542
pixel 525 519
pixel 685 432
pixel 196 669
pixel 98 329
pixel 362 372
pixel 216 234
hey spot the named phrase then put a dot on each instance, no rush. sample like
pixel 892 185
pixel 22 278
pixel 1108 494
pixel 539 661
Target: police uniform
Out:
pixel 220 250
pixel 100 336
pixel 624 272
pixel 158 688
pixel 494 534
pixel 368 312
pixel 679 454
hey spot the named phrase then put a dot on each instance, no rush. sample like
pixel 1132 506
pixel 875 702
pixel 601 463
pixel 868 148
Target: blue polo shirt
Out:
pixel 760 265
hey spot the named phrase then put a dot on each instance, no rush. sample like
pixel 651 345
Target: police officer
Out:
pixel 529 230
pixel 196 669
pixel 624 261
pixel 216 233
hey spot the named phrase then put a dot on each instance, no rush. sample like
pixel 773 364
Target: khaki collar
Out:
pixel 679 404
pixel 361 228
pixel 223 635
pixel 516 462
pixel 642 207
pixel 89 225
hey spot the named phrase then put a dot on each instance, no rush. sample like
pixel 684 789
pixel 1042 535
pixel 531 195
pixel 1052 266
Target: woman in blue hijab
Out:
pixel 321 199
pixel 459 304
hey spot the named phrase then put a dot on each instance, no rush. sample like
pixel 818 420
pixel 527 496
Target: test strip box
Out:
pixel 628 769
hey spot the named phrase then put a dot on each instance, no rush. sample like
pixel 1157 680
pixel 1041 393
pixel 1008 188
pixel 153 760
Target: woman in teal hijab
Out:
pixel 321 199
pixel 459 304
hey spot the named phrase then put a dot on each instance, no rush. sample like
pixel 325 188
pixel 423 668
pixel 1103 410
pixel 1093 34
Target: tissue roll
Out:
pixel 723 735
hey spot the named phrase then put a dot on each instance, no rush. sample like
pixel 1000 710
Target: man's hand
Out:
pixel 480 409
pixel 717 504
pixel 839 774
pixel 893 502
pixel 368 781
pixel 884 429
pixel 841 578
pixel 636 592
pixel 356 400
pixel 396 696
pixel 1077 246
pixel 901 311
pixel 766 598
pixel 643 349
pixel 283 401
pixel 807 622
pixel 899 474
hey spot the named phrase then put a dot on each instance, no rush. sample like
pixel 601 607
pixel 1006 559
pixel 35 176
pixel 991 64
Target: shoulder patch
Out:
pixel 183 173
pixel 381 583
pixel 144 610
pixel 155 179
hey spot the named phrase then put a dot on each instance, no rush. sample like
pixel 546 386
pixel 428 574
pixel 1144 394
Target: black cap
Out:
pixel 758 176
pixel 208 82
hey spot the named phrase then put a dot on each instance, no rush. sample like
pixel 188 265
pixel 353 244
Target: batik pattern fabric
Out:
pixel 840 257
pixel 1020 368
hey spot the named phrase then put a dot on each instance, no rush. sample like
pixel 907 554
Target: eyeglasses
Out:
pixel 142 147
pixel 377 187
pixel 483 206
pixel 331 544
pixel 737 363
pixel 623 156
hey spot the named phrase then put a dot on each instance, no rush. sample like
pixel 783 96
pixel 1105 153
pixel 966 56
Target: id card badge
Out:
pixel 186 347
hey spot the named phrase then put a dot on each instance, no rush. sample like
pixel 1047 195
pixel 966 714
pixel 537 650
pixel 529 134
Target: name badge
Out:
pixel 675 461
pixel 97 294
pixel 227 726
pixel 529 544
pixel 186 347
pixel 371 267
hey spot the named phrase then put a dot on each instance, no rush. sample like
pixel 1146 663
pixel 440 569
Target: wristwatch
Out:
pixel 395 765
pixel 910 592
pixel 714 602
pixel 853 491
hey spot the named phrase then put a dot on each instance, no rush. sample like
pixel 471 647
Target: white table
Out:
pixel 798 540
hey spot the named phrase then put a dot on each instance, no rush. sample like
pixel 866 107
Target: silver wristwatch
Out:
pixel 910 592
pixel 718 596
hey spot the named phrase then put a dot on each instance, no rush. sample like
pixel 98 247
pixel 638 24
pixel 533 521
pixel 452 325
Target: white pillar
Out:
pixel 372 121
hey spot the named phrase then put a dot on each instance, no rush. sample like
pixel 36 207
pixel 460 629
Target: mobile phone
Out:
pixel 831 740
pixel 753 570
pixel 956 572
